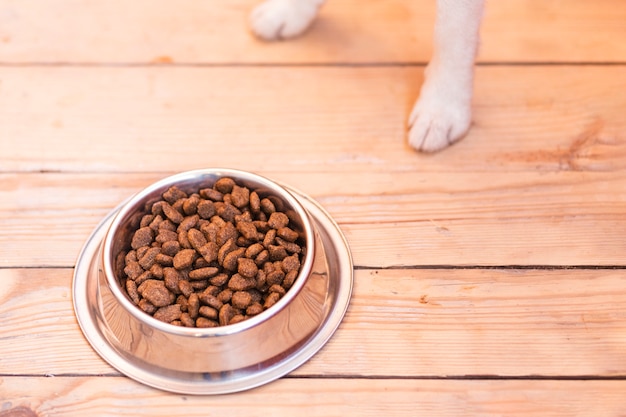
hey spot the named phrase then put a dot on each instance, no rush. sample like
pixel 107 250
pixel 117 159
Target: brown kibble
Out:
pixel 271 300
pixel 277 253
pixel 231 260
pixel 148 258
pixel 184 259
pixel 226 313
pixel 224 185
pixel 171 213
pixel 213 257
pixel 155 292
pixel 206 209
pixel 190 205
pixel 225 296
pixel 278 220
pixel 241 299
pixel 208 312
pixel 188 223
pixel 210 300
pixel 203 273
pixel 187 321
pixel 168 313
pixel 240 196
pixel 241 283
pixel 255 202
pixel 248 231
pixel 173 193
pixel 185 287
pixel 203 322
pixel 142 237
pixel 237 318
pixel 133 270
pixel 290 278
pixel 287 234
pixel 131 289
pixel 254 309
pixel 246 267
pixel 267 206
pixel 171 278
pixel 209 251
pixel 193 305
pixel 146 306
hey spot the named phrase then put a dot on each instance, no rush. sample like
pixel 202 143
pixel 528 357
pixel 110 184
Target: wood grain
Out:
pixel 430 322
pixel 543 118
pixel 385 31
pixel 69 397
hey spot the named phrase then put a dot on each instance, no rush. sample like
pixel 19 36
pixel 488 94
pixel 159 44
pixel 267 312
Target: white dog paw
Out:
pixel 437 121
pixel 281 19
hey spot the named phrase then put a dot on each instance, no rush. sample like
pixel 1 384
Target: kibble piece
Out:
pixel 278 220
pixel 166 236
pixel 277 253
pixel 131 289
pixel 206 209
pixel 255 202
pixel 287 234
pixel 226 313
pixel 203 322
pixel 290 263
pixel 171 213
pixel 203 273
pixel 184 240
pixel 254 309
pixel 196 238
pixel 133 270
pixel 208 312
pixel 271 300
pixel 143 277
pixel 146 306
pixel 190 205
pixel 142 237
pixel 290 247
pixel 171 278
pixel 185 287
pixel 187 321
pixel 173 193
pixel 224 185
pixel 193 305
pixel 246 267
pixel 241 283
pixel 240 196
pixel 225 296
pixel 188 223
pixel 277 289
pixel 184 259
pixel 290 278
pixel 210 300
pixel 209 251
pixel 241 299
pixel 164 260
pixel 171 247
pixel 248 230
pixel 155 292
pixel 231 260
pixel 168 313
pixel 237 318
pixel 253 250
pixel 267 206
pixel 269 238
pixel 211 194
pixel 219 280
pixel 148 258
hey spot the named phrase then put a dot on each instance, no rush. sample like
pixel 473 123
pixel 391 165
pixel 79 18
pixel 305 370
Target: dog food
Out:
pixel 212 258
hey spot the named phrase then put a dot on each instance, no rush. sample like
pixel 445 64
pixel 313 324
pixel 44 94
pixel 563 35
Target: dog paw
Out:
pixel 281 19
pixel 437 121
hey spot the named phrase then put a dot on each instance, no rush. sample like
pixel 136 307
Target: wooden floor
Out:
pixel 490 279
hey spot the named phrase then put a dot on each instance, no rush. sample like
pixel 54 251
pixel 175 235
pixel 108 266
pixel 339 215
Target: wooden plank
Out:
pixel 400 323
pixel 386 31
pixel 344 119
pixel 70 397
pixel 390 219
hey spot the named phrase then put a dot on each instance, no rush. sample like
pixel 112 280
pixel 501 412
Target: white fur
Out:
pixel 442 114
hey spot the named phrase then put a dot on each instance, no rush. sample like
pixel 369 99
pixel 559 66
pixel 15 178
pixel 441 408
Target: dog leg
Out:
pixel 281 19
pixel 442 114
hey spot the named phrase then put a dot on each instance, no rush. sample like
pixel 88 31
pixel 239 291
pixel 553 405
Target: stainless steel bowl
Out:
pixel 215 360
pixel 273 332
